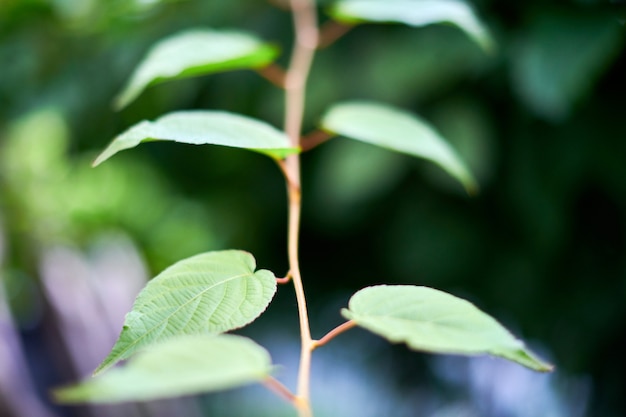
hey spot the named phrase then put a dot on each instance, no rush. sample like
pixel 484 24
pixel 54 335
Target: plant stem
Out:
pixel 285 279
pixel 331 31
pixel 282 391
pixel 334 333
pixel 315 138
pixel 306 36
pixel 274 74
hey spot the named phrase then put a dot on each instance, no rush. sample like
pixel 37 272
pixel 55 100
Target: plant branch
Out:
pixel 334 333
pixel 291 181
pixel 305 22
pixel 305 331
pixel 306 35
pixel 274 74
pixel 314 139
pixel 331 31
pixel 277 387
pixel 284 280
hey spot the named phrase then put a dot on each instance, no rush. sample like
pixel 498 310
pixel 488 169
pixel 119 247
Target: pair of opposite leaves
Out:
pixel 175 337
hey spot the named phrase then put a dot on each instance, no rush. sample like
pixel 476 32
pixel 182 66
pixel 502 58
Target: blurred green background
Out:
pixel 542 247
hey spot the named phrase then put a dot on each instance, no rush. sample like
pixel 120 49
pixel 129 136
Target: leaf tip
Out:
pixel 102 367
pixel 540 365
pixel 100 158
pixel 58 395
pixel 117 104
pixel 68 394
pixel 126 96
pixel 472 188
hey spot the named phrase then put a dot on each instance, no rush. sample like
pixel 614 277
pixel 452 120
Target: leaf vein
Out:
pixel 166 319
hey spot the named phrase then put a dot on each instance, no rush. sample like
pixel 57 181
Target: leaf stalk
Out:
pixel 285 279
pixel 331 31
pixel 274 74
pixel 314 139
pixel 276 386
pixel 334 333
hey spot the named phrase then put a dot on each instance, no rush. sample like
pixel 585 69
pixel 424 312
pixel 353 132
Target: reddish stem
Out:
pixel 284 280
pixel 276 386
pixel 330 32
pixel 274 74
pixel 333 333
pixel 314 139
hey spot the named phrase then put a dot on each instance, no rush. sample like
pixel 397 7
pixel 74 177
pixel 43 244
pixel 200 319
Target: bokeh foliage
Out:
pixel 541 121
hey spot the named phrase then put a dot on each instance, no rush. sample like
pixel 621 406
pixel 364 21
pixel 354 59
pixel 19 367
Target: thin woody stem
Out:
pixel 282 391
pixel 305 332
pixel 291 181
pixel 334 333
pixel 314 139
pixel 274 74
pixel 306 36
pixel 284 280
pixel 331 31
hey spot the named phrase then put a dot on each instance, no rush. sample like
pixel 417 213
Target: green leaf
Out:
pixel 397 130
pixel 560 57
pixel 201 127
pixel 206 294
pixel 434 321
pixel 182 366
pixel 196 52
pixel 414 13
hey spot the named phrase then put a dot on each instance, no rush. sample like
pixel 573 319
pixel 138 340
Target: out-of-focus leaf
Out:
pixel 203 127
pixel 434 321
pixel 560 57
pixel 414 13
pixel 196 52
pixel 397 130
pixel 185 365
pixel 466 124
pixel 209 293
pixel 33 167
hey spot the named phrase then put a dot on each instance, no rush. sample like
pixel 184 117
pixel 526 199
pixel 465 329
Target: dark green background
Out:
pixel 541 122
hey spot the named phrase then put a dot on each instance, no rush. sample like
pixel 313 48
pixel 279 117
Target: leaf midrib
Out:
pixel 412 321
pixel 167 318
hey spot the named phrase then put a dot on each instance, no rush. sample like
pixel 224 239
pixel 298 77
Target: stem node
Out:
pixel 284 280
pixel 274 74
